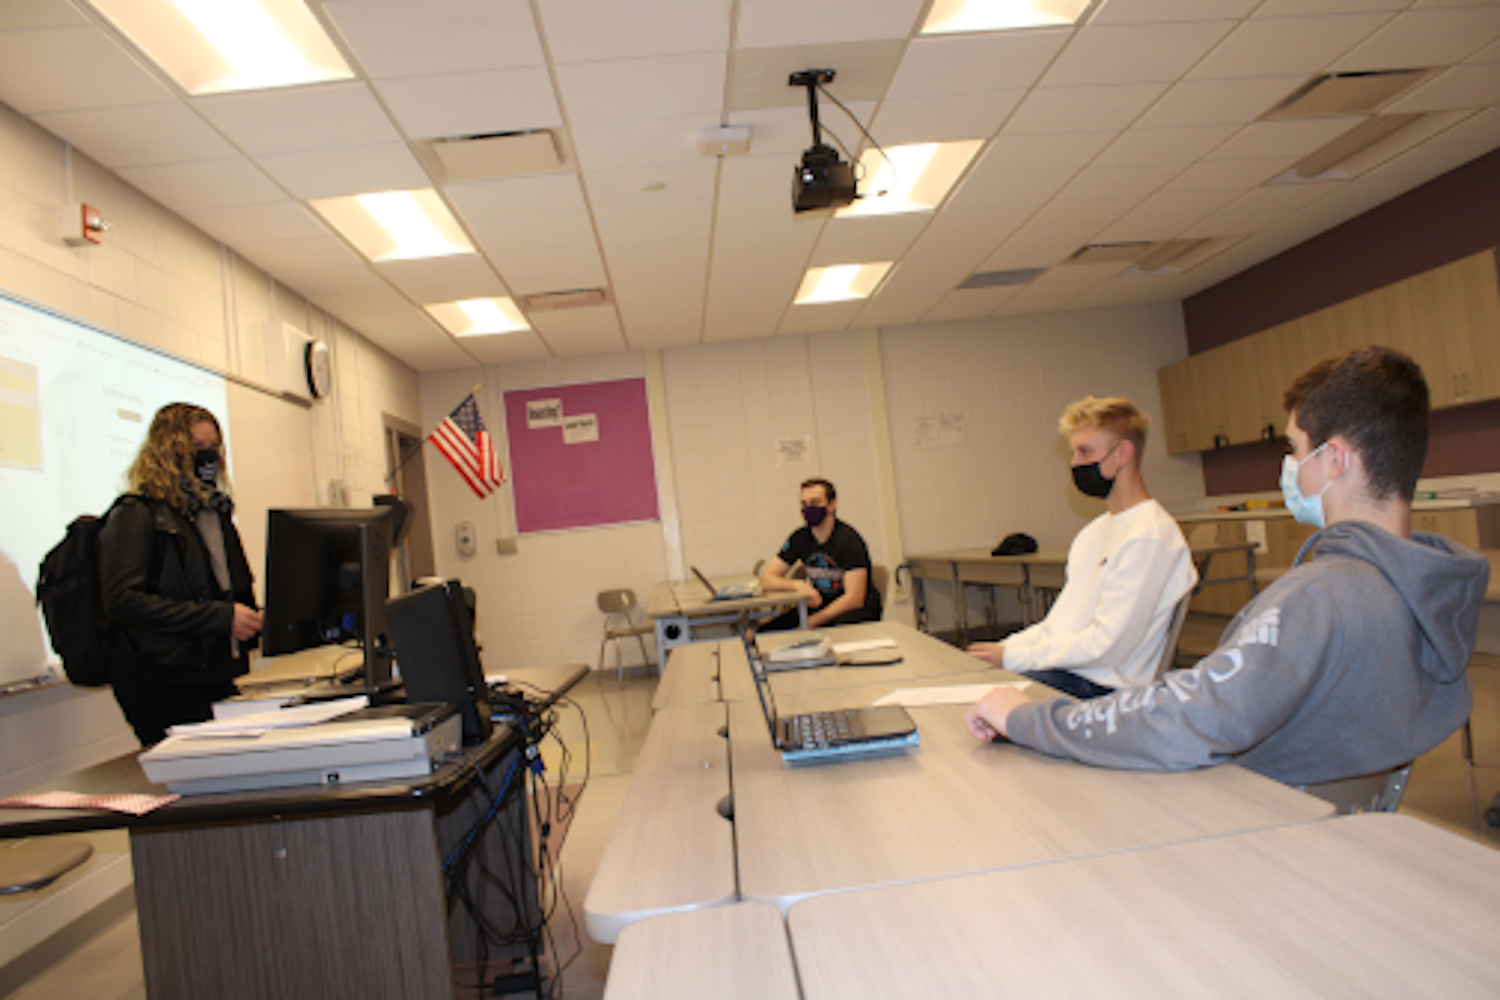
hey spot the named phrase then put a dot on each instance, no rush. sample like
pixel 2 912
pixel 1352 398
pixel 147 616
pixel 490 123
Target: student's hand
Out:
pixel 247 623
pixel 992 653
pixel 987 717
pixel 814 598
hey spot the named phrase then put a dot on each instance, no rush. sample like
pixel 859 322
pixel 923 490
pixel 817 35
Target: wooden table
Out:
pixel 678 607
pixel 728 953
pixel 1033 576
pixel 1376 905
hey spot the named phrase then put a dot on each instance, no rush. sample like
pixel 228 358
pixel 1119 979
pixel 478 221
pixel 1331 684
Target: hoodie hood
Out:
pixel 1441 582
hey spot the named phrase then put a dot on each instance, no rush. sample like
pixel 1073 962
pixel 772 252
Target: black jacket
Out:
pixel 159 591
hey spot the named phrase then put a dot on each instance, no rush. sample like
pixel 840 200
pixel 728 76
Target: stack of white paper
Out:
pixel 256 723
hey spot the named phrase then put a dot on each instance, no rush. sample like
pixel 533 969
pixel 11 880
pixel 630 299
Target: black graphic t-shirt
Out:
pixel 826 565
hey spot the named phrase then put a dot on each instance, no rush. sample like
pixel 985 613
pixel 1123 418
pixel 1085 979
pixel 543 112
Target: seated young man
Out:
pixel 1127 569
pixel 1354 662
pixel 838 588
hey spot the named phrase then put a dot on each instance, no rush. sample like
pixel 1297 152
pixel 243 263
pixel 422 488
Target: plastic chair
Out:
pixel 1174 633
pixel 619 623
pixel 28 865
pixel 1380 792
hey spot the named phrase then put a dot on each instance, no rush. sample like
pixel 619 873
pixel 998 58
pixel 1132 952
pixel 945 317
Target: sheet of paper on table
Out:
pixel 955 694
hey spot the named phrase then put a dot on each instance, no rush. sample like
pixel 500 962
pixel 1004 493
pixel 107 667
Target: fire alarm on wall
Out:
pixel 81 224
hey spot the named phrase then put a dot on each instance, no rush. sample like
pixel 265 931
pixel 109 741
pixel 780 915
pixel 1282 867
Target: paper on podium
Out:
pixel 956 694
pixel 255 723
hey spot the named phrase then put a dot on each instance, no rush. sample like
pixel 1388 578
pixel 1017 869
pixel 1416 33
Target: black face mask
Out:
pixel 206 465
pixel 1090 481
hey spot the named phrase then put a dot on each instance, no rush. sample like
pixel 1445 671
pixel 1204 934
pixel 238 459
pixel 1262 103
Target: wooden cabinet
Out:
pixel 1446 319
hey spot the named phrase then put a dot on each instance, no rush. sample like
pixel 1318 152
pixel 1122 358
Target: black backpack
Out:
pixel 72 602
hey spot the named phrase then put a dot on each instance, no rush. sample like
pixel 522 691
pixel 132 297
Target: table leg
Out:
pixel 960 610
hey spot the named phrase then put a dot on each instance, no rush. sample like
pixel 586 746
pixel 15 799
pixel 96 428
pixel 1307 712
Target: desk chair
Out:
pixel 1380 792
pixel 29 865
pixel 880 579
pixel 1174 633
pixel 619 623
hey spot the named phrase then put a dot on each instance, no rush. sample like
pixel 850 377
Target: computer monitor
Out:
pixel 433 631
pixel 327 579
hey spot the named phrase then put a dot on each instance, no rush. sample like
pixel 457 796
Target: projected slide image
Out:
pixel 20 416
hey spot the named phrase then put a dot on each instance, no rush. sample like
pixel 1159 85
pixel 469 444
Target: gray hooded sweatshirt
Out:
pixel 1354 662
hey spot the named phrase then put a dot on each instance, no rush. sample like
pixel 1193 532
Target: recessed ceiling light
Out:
pixel 478 317
pixel 952 16
pixel 396 225
pixel 911 178
pixel 216 46
pixel 840 283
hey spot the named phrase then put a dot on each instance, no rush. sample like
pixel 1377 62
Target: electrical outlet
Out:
pixel 466 538
pixel 506 546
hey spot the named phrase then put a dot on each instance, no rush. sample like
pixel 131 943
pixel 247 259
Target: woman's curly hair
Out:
pixel 164 467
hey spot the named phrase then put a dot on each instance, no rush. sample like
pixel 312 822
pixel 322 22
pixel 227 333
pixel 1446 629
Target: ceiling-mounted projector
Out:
pixel 821 180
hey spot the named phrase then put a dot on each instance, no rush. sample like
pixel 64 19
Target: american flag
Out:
pixel 463 441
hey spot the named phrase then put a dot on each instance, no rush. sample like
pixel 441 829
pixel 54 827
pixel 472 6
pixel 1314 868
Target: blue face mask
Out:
pixel 1307 510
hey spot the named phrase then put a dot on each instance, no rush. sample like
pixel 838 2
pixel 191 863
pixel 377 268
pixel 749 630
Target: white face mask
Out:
pixel 1307 510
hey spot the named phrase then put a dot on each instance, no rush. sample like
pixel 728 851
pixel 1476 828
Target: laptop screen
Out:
pixel 762 685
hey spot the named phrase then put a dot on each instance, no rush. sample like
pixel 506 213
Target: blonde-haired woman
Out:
pixel 175 582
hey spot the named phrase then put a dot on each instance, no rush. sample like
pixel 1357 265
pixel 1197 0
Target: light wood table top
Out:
pixel 955 806
pixel 925 661
pixel 1360 906
pixel 670 848
pixel 691 677
pixel 690 599
pixel 737 952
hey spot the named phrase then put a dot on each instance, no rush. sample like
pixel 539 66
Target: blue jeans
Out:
pixel 1069 683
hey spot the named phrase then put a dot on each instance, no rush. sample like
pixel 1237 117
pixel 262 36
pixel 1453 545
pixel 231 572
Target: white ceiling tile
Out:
pixel 530 270
pixel 350 279
pixel 1227 175
pixel 1082 109
pixel 1483 128
pixel 600 30
pixel 141 135
pixel 629 89
pixel 257 223
pixel 824 318
pixel 854 241
pixel 1139 146
pixel 207 184
pixel 326 173
pixel 477 103
pixel 1231 223
pixel 638 254
pixel 1273 46
pixel 647 187
pixel 40 70
pixel 615 145
pixel 1289 198
pixel 742 314
pixel 770 23
pixel 303 254
pixel 1489 54
pixel 443 279
pixel 1437 37
pixel 1064 154
pixel 761 78
pixel 765 247
pixel 1118 188
pixel 943 119
pixel 1471 85
pixel 532 232
pixel 297 118
pixel 972 64
pixel 1133 53
pixel 1144 11
pixel 575 332
pixel 16 14
pixel 680 223
pixel 399 38
pixel 1165 215
pixel 503 200
pixel 787 131
pixel 1297 8
pixel 508 348
pixel 1291 139
pixel 1215 102
pixel 971 303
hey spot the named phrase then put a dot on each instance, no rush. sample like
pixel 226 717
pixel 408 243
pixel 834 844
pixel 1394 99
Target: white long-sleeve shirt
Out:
pixel 1126 574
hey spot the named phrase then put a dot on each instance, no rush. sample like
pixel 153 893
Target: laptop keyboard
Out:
pixel 823 729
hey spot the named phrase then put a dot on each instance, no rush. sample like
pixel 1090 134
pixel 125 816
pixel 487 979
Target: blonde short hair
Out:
pixel 1115 414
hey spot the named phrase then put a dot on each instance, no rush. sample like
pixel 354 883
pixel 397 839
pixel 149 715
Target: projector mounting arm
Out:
pixel 812 79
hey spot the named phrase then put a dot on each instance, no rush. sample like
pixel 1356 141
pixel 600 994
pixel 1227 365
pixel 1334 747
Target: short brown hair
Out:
pixel 1115 414
pixel 1377 398
pixel 829 493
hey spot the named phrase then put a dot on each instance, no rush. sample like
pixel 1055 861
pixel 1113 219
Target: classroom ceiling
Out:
pixel 1142 125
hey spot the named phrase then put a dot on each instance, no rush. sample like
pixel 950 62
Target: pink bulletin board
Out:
pixel 572 472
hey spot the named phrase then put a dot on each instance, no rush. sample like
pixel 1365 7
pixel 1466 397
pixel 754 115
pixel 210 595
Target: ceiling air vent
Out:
pixel 497 154
pixel 1348 93
pixel 1368 145
pixel 1110 253
pixel 1179 256
pixel 995 279
pixel 573 298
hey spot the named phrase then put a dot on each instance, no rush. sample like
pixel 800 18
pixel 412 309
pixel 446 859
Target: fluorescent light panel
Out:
pixel 953 16
pixel 396 225
pixel 840 283
pixel 217 46
pixel 478 317
pixel 911 178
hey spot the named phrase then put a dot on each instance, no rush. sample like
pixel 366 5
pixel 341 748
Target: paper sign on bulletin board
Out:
pixel 580 455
